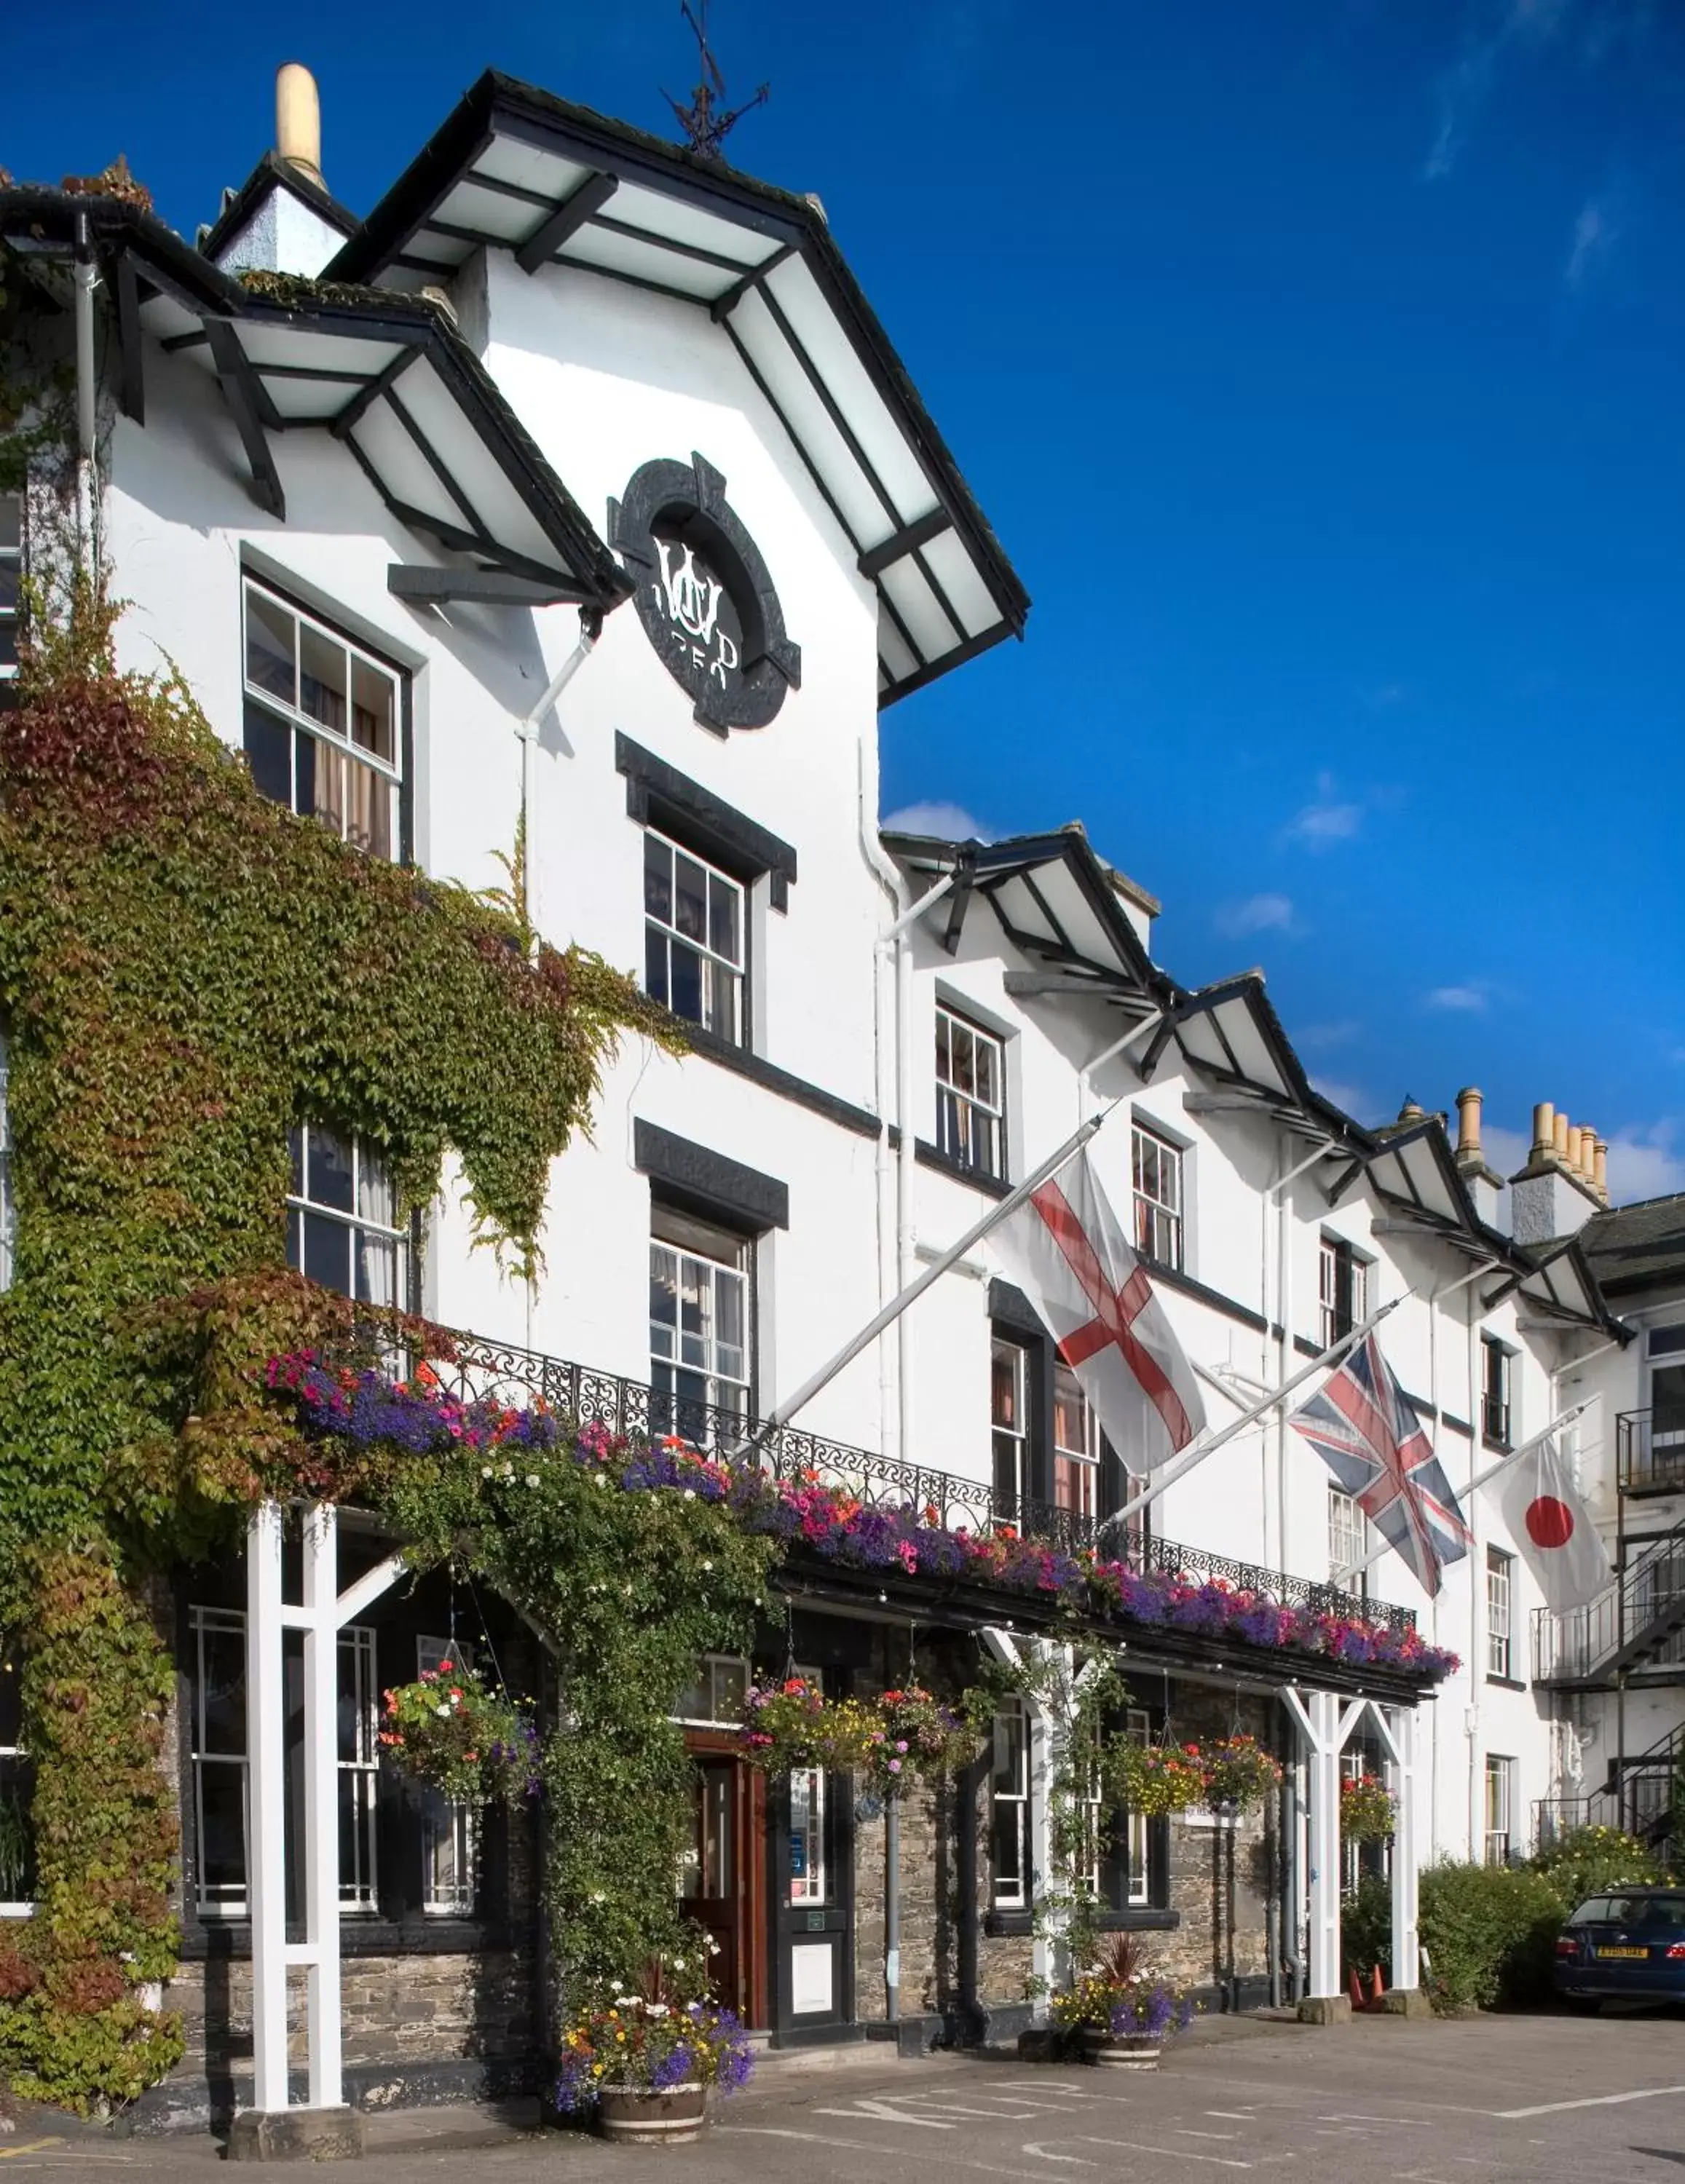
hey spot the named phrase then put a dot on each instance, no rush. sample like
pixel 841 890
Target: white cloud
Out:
pixel 1340 1032
pixel 1643 1163
pixel 1259 913
pixel 1597 230
pixel 1328 819
pixel 950 822
pixel 1506 1150
pixel 1355 1100
pixel 1464 88
pixel 1471 998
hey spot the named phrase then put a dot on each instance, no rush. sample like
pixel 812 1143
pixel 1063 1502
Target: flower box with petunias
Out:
pixel 1121 2012
pixel 448 1730
pixel 662 2037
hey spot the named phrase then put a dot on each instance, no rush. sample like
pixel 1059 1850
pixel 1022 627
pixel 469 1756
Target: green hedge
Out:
pixel 1488 1932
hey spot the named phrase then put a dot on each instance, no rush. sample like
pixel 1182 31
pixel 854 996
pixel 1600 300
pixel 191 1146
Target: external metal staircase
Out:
pixel 1643 1796
pixel 1636 1630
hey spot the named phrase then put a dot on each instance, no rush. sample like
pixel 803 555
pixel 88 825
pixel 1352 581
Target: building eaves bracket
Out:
pixel 424 586
pixel 569 217
pixel 251 412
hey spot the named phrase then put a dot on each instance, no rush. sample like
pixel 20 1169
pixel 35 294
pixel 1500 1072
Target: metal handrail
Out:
pixel 1641 1466
pixel 1587 1640
pixel 480 1370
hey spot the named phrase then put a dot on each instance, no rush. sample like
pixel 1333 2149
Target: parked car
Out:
pixel 1629 1941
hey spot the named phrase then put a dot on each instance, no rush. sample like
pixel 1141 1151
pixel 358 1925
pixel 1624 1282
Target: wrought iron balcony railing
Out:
pixel 1649 1453
pixel 1638 1623
pixel 504 1373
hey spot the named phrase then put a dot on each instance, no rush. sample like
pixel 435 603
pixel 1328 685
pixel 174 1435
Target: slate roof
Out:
pixel 1633 1248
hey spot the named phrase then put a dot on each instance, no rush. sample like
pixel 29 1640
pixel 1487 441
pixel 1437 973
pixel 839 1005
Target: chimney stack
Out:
pixel 298 120
pixel 1565 1181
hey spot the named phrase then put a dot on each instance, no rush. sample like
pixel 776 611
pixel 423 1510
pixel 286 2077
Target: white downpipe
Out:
pixel 86 278
pixel 527 730
pixel 1472 1318
pixel 884 1077
pixel 1284 1347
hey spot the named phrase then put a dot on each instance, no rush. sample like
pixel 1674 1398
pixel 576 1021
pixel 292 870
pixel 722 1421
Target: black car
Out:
pixel 1627 1942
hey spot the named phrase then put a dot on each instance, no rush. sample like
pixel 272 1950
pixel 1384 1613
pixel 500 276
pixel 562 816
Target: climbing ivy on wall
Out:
pixel 185 972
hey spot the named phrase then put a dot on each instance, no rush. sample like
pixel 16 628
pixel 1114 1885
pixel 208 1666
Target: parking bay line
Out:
pixel 865 2145
pixel 1592 2101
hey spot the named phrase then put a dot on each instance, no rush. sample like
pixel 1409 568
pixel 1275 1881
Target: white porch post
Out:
pixel 322 1801
pixel 266 1797
pixel 1399 1732
pixel 1323 1730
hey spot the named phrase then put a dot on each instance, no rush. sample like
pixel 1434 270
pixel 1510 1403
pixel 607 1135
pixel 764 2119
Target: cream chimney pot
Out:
pixel 1542 1127
pixel 1588 1138
pixel 1559 1143
pixel 1600 1169
pixel 298 119
pixel 1469 1121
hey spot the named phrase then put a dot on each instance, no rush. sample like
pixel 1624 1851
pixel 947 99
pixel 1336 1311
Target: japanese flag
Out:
pixel 1552 1526
pixel 1065 1249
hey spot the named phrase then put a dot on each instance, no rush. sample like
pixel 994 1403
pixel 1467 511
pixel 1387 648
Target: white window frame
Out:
pixel 1349 1540
pixel 1009 1439
pixel 696 1272
pixel 1500 1808
pixel 1330 1252
pixel 1160 1232
pixel 1080 1465
pixel 971 1127
pixel 1500 1609
pixel 734 974
pixel 1012 1895
pixel 448 1818
pixel 360 1890
pixel 9 1211
pixel 14 1906
pixel 1138 1724
pixel 368 1178
pixel 230 1622
pixel 386 774
pixel 11 577
pixel 717 1673
pixel 809 1801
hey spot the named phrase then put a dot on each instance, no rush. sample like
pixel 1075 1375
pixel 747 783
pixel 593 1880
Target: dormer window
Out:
pixel 322 724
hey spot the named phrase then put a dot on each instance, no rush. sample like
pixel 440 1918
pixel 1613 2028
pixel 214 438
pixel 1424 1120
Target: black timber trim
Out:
pixel 910 536
pixel 745 849
pixel 372 390
pixel 743 1197
pixel 567 219
pixel 1008 1304
pixel 132 380
pixel 492 587
pixel 756 1070
pixel 246 402
pixel 930 1156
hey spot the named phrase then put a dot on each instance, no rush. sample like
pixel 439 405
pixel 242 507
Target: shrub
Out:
pixel 1588 1860
pixel 1366 1925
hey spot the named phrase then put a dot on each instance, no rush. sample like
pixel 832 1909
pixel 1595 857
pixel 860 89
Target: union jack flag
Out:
pixel 1362 1426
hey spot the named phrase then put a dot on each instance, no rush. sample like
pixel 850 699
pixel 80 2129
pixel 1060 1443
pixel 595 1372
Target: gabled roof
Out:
pixel 1230 1034
pixel 272 173
pixel 1053 898
pixel 515 169
pixel 387 375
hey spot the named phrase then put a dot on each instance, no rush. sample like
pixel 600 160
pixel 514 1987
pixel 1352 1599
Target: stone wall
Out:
pixel 1219 1875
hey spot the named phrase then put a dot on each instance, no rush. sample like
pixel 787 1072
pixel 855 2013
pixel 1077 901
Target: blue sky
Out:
pixel 1322 366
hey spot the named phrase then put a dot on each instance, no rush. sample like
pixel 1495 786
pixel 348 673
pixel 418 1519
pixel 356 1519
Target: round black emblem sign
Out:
pixel 705 596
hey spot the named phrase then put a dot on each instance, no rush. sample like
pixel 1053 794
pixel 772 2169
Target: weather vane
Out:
pixel 706 126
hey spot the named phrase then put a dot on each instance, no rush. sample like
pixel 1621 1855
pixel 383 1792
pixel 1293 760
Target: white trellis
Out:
pixel 321 1613
pixel 1326 1723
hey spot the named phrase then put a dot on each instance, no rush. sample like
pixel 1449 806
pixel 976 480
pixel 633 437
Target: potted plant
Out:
pixel 914 1736
pixel 1366 1809
pixel 470 1743
pixel 1239 1773
pixel 1119 2015
pixel 640 2064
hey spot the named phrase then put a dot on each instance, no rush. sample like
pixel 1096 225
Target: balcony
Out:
pixel 481 1370
pixel 1636 1628
pixel 1649 1452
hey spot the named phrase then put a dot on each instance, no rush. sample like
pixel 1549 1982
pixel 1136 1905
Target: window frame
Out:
pixel 1006 1439
pixel 739 973
pixel 1020 1801
pixel 960 1114
pixel 1500 1616
pixel 1339 1263
pixel 1148 1209
pixel 1498 1393
pixel 396 772
pixel 440 1813
pixel 710 1669
pixel 16 1776
pixel 399 1237
pixel 743 1273
pixel 230 1622
pixel 1499 1776
pixel 1357 1544
pixel 1076 1471
pixel 12 558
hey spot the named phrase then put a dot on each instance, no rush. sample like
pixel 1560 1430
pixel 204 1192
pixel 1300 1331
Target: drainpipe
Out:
pixel 892 1909
pixel 888 877
pixel 1477 1587
pixel 86 396
pixel 1284 1304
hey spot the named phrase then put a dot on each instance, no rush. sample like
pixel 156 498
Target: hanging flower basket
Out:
pixel 1239 1773
pixel 1367 1809
pixel 913 1737
pixel 449 1732
pixel 792 1724
pixel 642 2063
pixel 1157 1779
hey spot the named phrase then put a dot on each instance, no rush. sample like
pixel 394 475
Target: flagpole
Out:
pixel 782 1413
pixel 1180 1465
pixel 1342 1579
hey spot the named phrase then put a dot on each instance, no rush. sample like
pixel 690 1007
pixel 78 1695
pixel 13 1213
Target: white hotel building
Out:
pixel 566 384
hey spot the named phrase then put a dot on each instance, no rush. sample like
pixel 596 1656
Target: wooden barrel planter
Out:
pixel 1120 2051
pixel 635 2116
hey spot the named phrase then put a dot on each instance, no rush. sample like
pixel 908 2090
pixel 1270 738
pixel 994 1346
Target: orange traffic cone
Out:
pixel 1378 1989
pixel 1357 1989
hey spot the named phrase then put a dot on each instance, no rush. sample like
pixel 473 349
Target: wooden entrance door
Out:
pixel 721 1886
